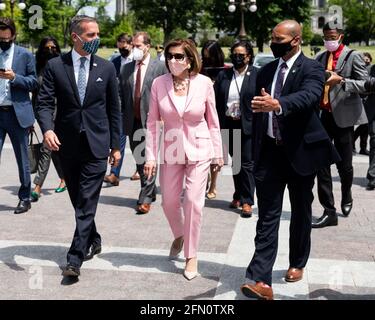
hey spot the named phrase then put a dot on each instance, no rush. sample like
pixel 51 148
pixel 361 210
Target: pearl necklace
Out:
pixel 181 85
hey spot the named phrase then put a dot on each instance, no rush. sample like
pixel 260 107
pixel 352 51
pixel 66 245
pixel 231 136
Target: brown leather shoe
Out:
pixel 294 275
pixel 247 210
pixel 112 179
pixel 135 176
pixel 144 208
pixel 235 204
pixel 257 291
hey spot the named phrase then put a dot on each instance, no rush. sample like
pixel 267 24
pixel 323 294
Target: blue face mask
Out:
pixel 91 47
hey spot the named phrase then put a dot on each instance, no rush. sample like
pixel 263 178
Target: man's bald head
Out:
pixel 286 39
pixel 289 27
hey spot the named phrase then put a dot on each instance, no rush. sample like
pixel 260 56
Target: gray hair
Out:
pixel 76 23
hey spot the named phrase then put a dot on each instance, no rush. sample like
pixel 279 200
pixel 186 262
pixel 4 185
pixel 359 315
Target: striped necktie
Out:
pixel 3 82
pixel 82 80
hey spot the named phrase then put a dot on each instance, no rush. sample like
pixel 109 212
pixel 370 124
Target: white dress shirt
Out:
pixel 8 66
pixel 234 92
pixel 143 70
pixel 77 64
pixel 290 64
pixel 126 60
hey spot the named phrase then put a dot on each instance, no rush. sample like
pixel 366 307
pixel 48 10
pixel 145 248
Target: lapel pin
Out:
pixel 94 64
pixel 99 80
pixel 248 73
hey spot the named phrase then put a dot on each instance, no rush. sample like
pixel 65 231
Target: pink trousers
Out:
pixel 184 215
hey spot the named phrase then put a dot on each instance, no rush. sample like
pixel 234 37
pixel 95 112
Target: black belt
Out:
pixel 274 141
pixel 6 108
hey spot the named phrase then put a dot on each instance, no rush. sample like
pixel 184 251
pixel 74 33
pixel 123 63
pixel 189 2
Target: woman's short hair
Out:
pixel 190 51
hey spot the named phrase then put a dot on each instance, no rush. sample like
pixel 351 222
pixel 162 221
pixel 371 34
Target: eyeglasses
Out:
pixel 176 56
pixel 330 38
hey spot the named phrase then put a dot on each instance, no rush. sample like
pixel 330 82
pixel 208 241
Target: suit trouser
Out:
pixel 371 169
pixel 272 174
pixel 44 164
pixel 84 177
pixel 343 141
pixel 242 165
pixel 184 218
pixel 137 145
pixel 19 138
pixel 361 132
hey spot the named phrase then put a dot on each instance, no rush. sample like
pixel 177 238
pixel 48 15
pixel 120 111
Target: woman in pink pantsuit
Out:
pixel 184 101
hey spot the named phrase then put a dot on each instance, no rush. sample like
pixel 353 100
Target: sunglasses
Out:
pixel 238 55
pixel 176 56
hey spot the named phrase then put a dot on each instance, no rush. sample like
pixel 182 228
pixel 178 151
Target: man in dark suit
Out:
pixel 235 87
pixel 17 80
pixel 135 87
pixel 124 45
pixel 290 146
pixel 87 127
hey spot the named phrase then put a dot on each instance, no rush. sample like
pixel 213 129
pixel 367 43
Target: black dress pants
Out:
pixel 272 174
pixel 84 176
pixel 244 185
pixel 343 141
pixel 137 145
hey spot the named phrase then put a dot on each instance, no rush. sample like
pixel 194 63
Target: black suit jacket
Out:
pixel 99 114
pixel 222 85
pixel 307 144
pixel 117 63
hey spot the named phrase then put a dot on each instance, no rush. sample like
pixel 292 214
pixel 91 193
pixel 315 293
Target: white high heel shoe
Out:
pixel 175 252
pixel 190 275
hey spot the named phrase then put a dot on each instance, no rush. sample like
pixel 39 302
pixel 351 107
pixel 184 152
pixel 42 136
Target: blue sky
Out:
pixel 111 8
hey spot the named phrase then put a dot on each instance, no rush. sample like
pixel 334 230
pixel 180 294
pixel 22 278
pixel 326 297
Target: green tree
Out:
pixel 170 15
pixel 56 18
pixel 260 23
pixel 359 19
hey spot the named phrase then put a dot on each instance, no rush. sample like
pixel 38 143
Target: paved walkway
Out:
pixel 134 264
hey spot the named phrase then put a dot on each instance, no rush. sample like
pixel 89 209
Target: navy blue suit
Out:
pixel 83 154
pixel 19 117
pixel 243 181
pixel 306 149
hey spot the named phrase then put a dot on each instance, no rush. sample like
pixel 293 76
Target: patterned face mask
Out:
pixel 91 47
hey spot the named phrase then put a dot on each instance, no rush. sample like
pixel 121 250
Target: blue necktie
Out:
pixel 277 123
pixel 82 80
pixel 3 82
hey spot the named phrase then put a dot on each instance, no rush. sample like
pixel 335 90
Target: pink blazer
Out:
pixel 194 134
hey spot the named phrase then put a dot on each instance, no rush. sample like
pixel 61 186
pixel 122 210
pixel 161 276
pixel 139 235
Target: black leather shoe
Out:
pixel 23 206
pixel 71 271
pixel 93 250
pixel 346 208
pixel 370 186
pixel 364 152
pixel 326 220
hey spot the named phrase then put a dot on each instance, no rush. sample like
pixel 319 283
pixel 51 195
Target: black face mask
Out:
pixel 50 54
pixel 5 45
pixel 281 49
pixel 124 52
pixel 238 60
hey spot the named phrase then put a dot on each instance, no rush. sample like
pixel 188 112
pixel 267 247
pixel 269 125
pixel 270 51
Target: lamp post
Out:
pixel 244 6
pixel 21 5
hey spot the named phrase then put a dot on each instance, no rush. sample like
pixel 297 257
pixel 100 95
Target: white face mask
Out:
pixel 138 54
